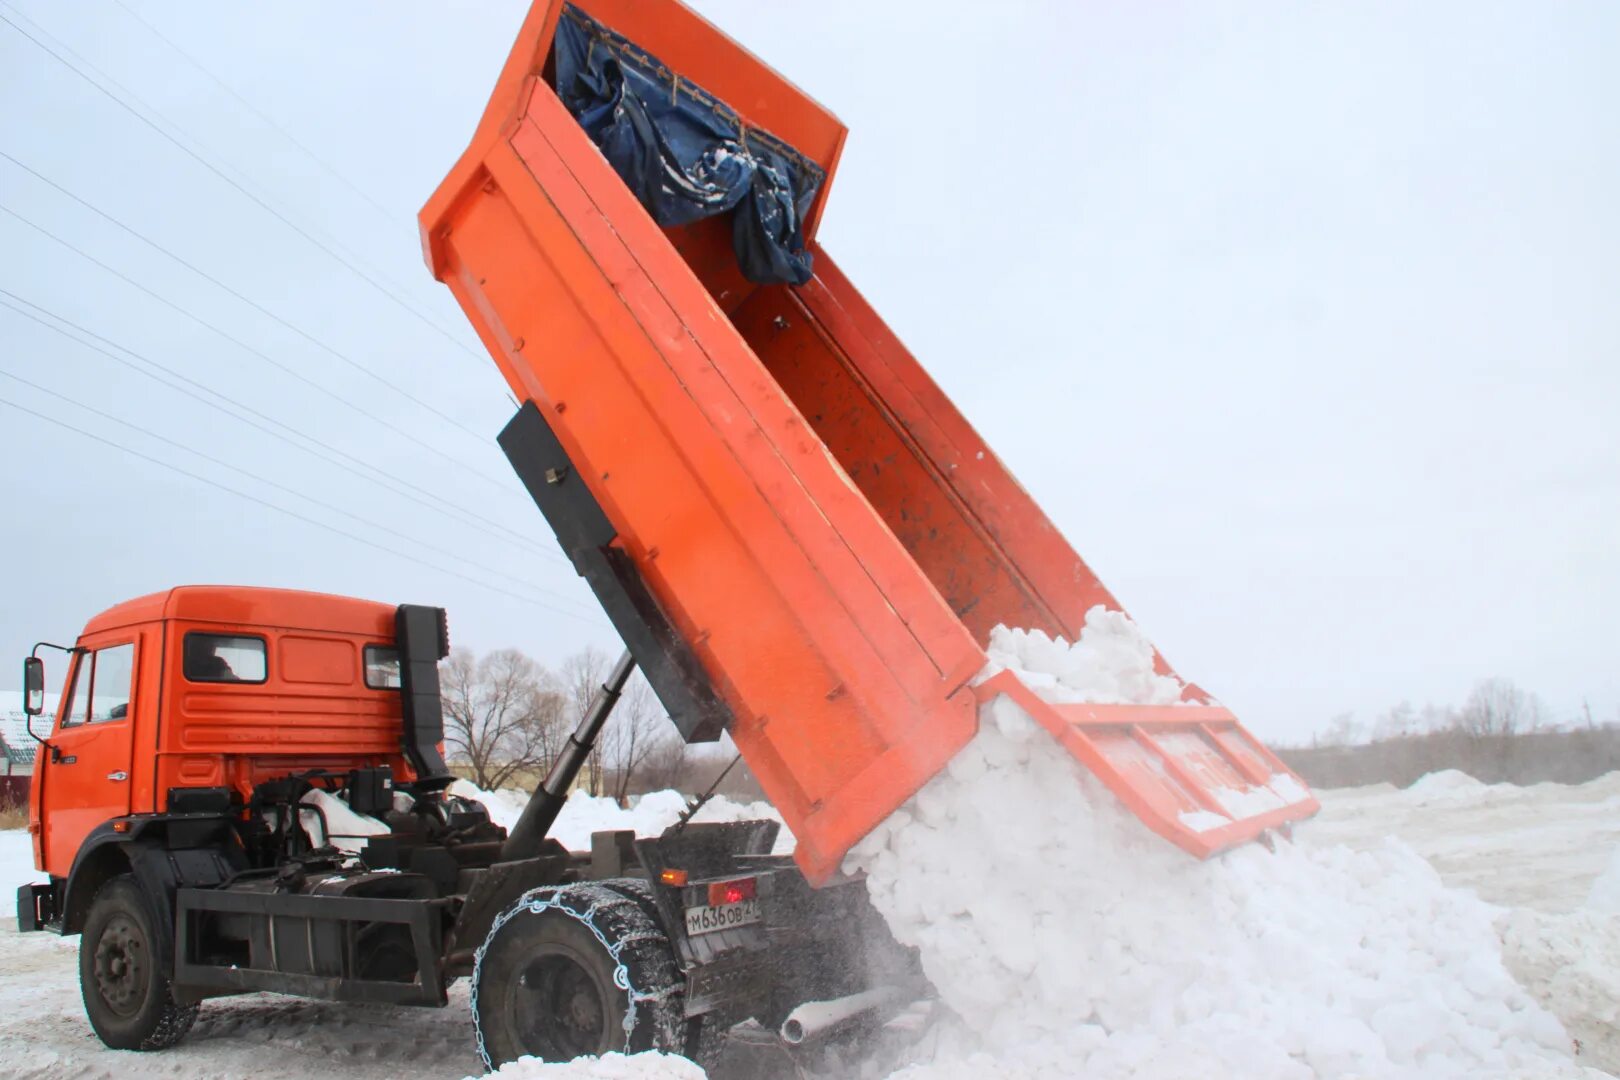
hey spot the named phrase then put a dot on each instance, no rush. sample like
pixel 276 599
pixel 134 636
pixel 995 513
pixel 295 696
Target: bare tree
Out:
pixel 637 729
pixel 1498 707
pixel 581 676
pixel 503 714
pixel 1396 722
pixel 668 764
pixel 1342 730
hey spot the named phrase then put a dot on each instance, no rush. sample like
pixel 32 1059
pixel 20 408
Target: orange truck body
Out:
pixel 824 529
pixel 312 710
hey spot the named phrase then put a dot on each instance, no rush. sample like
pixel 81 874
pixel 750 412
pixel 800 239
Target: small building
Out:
pixel 16 745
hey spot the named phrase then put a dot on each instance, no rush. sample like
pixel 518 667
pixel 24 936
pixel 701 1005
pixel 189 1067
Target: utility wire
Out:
pixel 295 493
pixel 285 368
pixel 350 463
pixel 200 478
pixel 261 203
pixel 255 305
pixel 250 107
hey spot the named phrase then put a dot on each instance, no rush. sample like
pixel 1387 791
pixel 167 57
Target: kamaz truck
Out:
pixel 800 539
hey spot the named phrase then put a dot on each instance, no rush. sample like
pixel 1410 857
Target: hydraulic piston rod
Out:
pixel 526 837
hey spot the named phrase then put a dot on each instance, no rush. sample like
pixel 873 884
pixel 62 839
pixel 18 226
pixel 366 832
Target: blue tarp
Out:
pixel 685 153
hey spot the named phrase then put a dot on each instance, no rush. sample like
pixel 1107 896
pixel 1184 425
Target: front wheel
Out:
pixel 126 995
pixel 576 970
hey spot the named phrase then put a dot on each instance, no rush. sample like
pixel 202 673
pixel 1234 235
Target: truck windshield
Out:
pixel 101 683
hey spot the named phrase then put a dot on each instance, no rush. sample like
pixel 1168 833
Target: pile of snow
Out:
pixel 1112 663
pixel 648 815
pixel 1605 894
pixel 648 1066
pixel 1571 962
pixel 1445 785
pixel 1072 942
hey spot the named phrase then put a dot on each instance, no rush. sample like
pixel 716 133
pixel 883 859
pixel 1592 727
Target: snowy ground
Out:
pixel 1538 852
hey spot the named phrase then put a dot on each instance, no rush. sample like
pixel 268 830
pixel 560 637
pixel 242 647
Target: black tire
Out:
pixel 545 983
pixel 127 997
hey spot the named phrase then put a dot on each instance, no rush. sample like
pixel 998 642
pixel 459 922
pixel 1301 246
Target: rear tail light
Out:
pixel 733 892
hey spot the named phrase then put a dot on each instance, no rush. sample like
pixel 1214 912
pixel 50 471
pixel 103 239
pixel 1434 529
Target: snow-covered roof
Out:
pixel 16 745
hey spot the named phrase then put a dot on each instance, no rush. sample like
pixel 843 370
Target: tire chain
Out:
pixel 619 923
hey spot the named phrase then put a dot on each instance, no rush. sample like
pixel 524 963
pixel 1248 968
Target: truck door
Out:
pixel 84 766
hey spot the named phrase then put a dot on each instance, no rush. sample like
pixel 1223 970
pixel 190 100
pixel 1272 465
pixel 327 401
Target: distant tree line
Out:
pixel 507 716
pixel 1494 707
pixel 1500 734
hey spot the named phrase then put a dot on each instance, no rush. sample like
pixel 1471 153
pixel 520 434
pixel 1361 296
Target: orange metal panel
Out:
pixel 822 526
pixel 1167 761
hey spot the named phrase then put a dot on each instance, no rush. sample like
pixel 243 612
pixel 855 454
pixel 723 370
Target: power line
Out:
pixel 250 107
pixel 304 496
pixel 245 347
pixel 255 305
pixel 261 203
pixel 282 509
pixel 360 467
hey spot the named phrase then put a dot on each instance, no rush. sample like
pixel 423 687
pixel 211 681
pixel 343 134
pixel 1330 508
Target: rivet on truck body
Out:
pixel 652 553
pixel 561 407
pixel 517 346
pixel 836 692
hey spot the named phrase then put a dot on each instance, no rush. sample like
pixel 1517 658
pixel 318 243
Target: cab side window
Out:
pixel 101 686
pixel 224 658
pixel 382 667
pixel 111 682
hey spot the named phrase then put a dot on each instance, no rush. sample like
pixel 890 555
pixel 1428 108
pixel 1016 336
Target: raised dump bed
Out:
pixel 798 534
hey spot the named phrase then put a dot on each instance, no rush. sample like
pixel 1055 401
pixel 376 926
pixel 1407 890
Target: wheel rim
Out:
pixel 556 1009
pixel 120 965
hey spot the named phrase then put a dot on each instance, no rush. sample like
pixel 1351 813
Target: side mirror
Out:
pixel 33 686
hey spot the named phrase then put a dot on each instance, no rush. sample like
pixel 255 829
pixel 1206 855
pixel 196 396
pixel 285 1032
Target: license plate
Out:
pixel 706 920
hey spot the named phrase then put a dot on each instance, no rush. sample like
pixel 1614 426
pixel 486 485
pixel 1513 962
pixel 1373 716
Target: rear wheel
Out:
pixel 575 970
pixel 126 995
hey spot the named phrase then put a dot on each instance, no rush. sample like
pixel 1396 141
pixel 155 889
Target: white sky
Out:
pixel 1299 320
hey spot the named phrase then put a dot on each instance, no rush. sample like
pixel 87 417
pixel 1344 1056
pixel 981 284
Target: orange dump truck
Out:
pixel 799 536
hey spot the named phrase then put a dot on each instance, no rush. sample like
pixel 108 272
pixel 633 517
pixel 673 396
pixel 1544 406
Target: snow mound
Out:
pixel 1446 783
pixel 649 815
pixel 1605 894
pixel 1071 942
pixel 646 1066
pixel 504 806
pixel 1571 962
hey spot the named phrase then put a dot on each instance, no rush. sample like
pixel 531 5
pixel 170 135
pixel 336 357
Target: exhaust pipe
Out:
pixel 815 1020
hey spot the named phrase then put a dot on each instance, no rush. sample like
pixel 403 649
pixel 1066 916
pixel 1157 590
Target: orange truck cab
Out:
pixel 244 790
pixel 203 693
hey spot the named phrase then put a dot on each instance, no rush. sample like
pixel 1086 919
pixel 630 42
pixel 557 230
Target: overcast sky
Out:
pixel 1300 320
